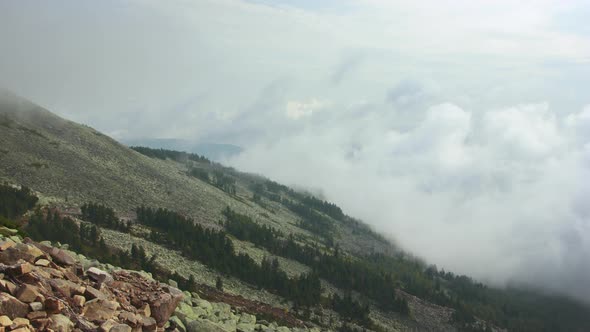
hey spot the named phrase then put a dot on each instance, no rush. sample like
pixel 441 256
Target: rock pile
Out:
pixel 194 314
pixel 46 288
pixel 49 288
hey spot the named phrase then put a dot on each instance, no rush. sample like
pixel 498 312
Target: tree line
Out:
pixel 344 273
pixel 15 201
pixel 104 216
pixel 86 239
pixel 170 154
pixel 215 250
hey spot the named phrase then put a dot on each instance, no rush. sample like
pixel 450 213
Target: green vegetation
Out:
pixel 214 249
pixel 376 276
pixel 351 309
pixel 14 201
pixel 342 272
pixel 87 240
pixel 103 216
pixel 170 154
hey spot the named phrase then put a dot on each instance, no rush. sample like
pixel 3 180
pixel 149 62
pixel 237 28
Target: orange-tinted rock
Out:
pixel 41 323
pixel 19 269
pixel 5 321
pixel 148 324
pixel 5 244
pixel 66 287
pixel 79 300
pixel 93 293
pixel 99 275
pixel 100 310
pixel 42 262
pixel 165 304
pixel 36 315
pixel 12 307
pixel 19 322
pixel 27 293
pixel 7 287
pixel 61 323
pixel 54 305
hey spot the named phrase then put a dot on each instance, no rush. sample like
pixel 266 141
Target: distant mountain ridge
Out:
pixel 213 151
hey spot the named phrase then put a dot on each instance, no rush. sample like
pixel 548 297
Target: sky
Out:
pixel 458 128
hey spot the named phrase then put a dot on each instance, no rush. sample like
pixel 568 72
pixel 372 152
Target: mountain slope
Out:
pixel 68 165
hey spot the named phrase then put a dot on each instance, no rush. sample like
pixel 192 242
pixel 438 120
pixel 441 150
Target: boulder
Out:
pixel 177 323
pixel 12 307
pixel 79 300
pixel 203 326
pixel 19 251
pixel 99 309
pixel 27 293
pixel 36 306
pixel 121 328
pixel 5 244
pixel 148 324
pixel 61 323
pixel 7 287
pixel 241 327
pixel 7 231
pixel 41 324
pixel 54 306
pixel 19 269
pixel 19 322
pixel 66 287
pixel 144 310
pixel 92 293
pixel 247 319
pixel 33 315
pixel 186 313
pixel 128 318
pixel 42 262
pixel 165 303
pixel 5 321
pixel 108 325
pixel 205 305
pixel 99 275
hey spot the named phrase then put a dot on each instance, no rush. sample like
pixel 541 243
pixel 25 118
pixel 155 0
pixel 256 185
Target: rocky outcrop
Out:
pixel 43 287
pixel 196 314
pixel 47 288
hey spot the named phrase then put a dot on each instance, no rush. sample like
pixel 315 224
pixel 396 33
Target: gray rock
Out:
pixel 99 275
pixel 61 323
pixel 205 305
pixel 176 322
pixel 172 283
pixel 187 297
pixel 7 231
pixel 203 326
pixel 16 239
pixel 120 328
pixel 247 319
pixel 186 313
pixel 241 327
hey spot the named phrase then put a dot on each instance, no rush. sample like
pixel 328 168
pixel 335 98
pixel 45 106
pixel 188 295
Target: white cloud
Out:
pixel 298 109
pixel 491 196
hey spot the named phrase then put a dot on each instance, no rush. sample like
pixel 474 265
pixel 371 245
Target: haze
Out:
pixel 459 128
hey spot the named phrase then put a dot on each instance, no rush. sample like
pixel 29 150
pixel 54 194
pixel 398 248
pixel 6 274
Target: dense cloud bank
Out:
pixel 500 195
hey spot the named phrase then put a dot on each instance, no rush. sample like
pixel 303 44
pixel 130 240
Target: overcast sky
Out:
pixel 459 128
